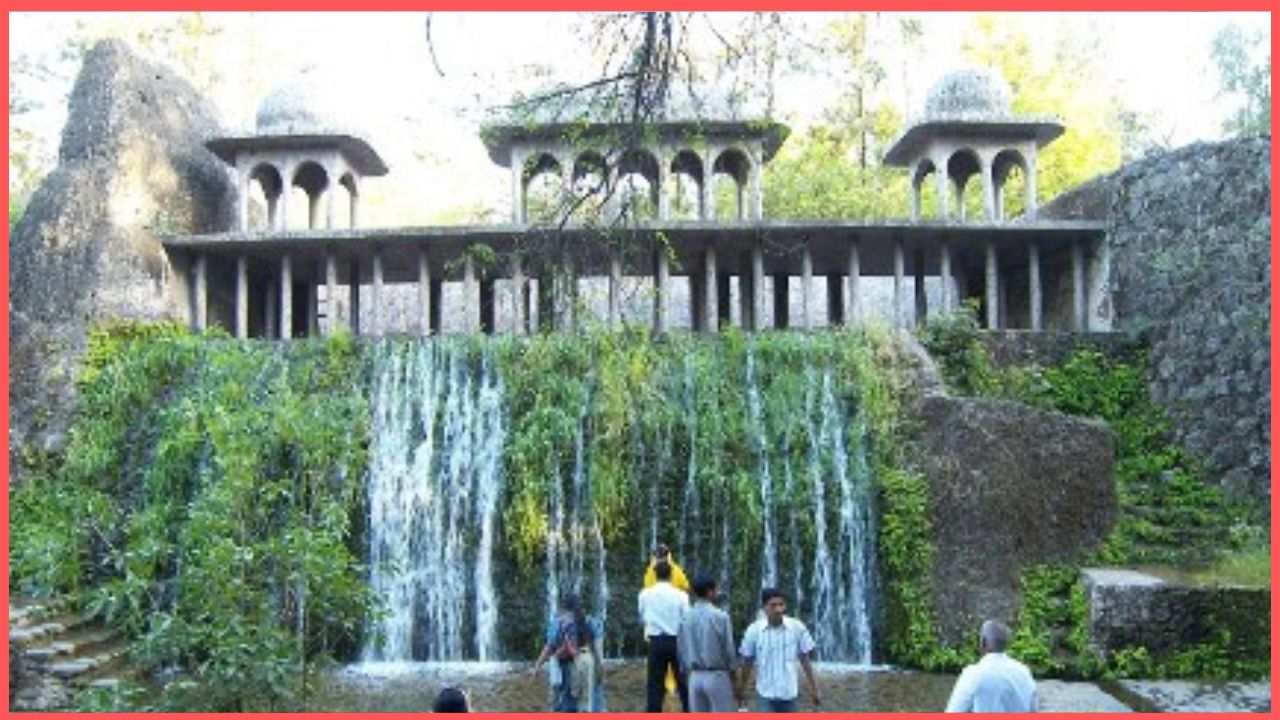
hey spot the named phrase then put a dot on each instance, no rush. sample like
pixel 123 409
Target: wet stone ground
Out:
pixel 499 687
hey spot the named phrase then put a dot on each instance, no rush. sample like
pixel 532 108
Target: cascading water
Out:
pixel 435 479
pixel 437 493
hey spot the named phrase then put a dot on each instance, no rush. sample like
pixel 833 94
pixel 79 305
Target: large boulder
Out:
pixel 1190 234
pixel 132 167
pixel 1010 486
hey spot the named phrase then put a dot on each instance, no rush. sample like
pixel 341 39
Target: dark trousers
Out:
pixel 662 654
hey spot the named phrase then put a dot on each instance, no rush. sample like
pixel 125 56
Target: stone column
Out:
pixel 313 308
pixel 355 203
pixel 854 316
pixel 988 188
pixel 353 290
pixel 697 299
pixel 781 301
pixel 615 287
pixel 286 298
pixel 517 186
pixel 993 287
pixel 1036 310
pixel 899 284
pixel 1078 300
pixel 518 310
pixel 330 197
pixel 375 295
pixel 242 297
pixel 664 177
pixel 1098 293
pixel 962 211
pixel 286 187
pixel 756 185
pixel 944 213
pixel 424 293
pixel 724 294
pixel 710 291
pixel 271 314
pixel 488 316
pixel 313 210
pixel 915 200
pixel 660 283
pixel 331 292
pixel 806 288
pixel 200 293
pixel 944 274
pixel 243 181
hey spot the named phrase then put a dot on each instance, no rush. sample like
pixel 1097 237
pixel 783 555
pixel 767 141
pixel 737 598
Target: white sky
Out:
pixel 1160 61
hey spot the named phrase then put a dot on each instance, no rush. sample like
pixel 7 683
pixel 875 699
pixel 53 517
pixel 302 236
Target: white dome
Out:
pixel 969 93
pixel 314 101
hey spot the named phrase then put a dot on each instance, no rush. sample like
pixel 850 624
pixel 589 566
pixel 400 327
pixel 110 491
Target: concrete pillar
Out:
pixel 313 309
pixel 375 295
pixel 697 300
pixel 615 287
pixel 1098 316
pixel 710 291
pixel 1035 311
pixel 661 277
pixel 1078 300
pixel 781 301
pixel 517 186
pixel 282 219
pixel 962 211
pixel 664 178
pixel 899 284
pixel 757 287
pixel 518 310
pixel 242 297
pixel 200 293
pixel 944 274
pixel 915 201
pixel 944 191
pixel 835 301
pixel 756 185
pixel 921 302
pixel 331 292
pixel 242 199
pixel 708 185
pixel 424 293
pixel 806 288
pixel 355 203
pixel 854 316
pixel 330 200
pixel 353 304
pixel 273 213
pixel 993 287
pixel 286 298
pixel 988 188
pixel 313 210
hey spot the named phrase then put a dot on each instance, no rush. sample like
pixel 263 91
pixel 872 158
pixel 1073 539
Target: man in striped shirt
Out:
pixel 773 646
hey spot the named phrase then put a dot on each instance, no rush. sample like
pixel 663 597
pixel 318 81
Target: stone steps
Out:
pixel 61 651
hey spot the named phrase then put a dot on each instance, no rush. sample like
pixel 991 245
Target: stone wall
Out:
pixel 1190 234
pixel 1134 609
pixel 132 167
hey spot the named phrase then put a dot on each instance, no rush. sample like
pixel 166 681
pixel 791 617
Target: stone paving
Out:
pixel 1187 696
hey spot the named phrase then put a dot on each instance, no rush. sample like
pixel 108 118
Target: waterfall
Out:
pixel 435 478
pixel 759 442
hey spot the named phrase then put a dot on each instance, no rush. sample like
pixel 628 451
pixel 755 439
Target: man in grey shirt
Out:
pixel 705 645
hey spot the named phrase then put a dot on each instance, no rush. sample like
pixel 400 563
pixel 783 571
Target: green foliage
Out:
pixel 212 486
pixel 1246 74
pixel 814 176
pixel 966 366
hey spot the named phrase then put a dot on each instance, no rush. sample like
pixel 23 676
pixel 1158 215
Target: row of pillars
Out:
pixel 710 293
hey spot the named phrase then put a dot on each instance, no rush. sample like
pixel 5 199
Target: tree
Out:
pixel 1243 77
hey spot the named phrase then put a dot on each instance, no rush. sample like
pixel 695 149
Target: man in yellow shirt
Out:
pixel 678 579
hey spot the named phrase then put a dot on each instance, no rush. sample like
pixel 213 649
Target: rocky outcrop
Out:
pixel 1190 234
pixel 132 167
pixel 1010 486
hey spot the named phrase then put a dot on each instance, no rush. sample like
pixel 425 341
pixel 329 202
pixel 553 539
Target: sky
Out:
pixel 1160 61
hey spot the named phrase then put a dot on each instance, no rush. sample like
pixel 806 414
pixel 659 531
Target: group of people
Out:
pixel 691 649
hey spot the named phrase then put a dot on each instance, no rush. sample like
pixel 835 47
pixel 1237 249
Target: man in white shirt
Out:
pixel 772 647
pixel 997 682
pixel 662 608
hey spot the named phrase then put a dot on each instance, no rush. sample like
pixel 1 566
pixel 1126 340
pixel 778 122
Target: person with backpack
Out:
pixel 573 644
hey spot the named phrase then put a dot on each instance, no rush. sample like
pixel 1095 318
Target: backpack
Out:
pixel 567 640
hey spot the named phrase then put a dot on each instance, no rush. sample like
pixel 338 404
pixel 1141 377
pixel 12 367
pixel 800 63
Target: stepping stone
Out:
pixel 71 668
pixel 106 683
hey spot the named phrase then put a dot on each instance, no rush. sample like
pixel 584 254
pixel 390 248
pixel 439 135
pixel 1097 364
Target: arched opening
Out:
pixel 265 189
pixel 730 172
pixel 684 189
pixel 924 196
pixel 1009 170
pixel 544 198
pixel 590 180
pixel 353 199
pixel 313 181
pixel 637 189
pixel 961 166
